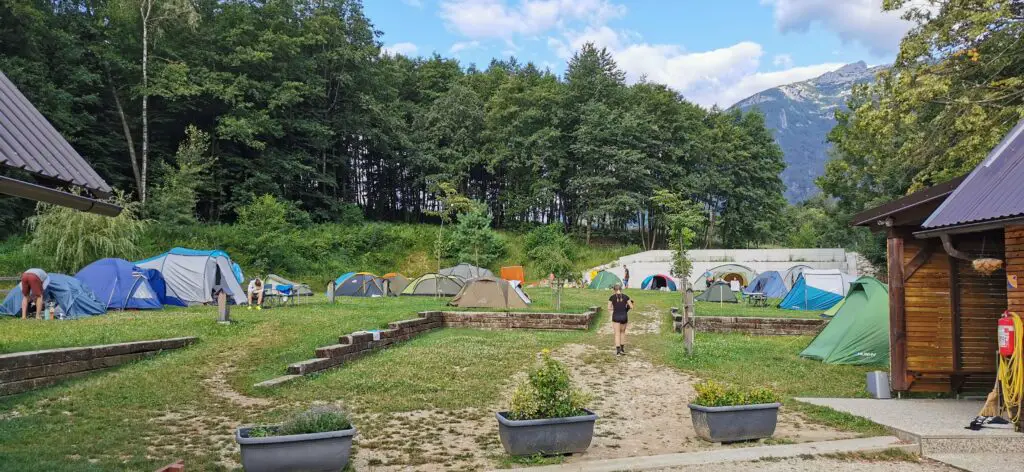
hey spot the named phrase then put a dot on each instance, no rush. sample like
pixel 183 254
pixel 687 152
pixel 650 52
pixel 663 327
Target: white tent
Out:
pixel 518 286
pixel 192 276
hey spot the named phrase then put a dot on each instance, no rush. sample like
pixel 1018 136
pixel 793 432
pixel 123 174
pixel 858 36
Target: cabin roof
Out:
pixel 910 210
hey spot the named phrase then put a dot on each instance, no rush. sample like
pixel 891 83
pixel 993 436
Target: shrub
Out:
pixel 711 393
pixel 547 393
pixel 318 419
pixel 472 239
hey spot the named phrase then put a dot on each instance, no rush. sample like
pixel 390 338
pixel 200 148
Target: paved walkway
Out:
pixel 746 454
pixel 919 417
pixel 982 462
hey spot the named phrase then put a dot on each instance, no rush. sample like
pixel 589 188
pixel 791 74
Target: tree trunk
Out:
pixel 127 136
pixel 145 8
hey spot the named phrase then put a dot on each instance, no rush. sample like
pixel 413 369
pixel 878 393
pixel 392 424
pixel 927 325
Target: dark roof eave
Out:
pixel 974 227
pixel 870 216
pixel 39 193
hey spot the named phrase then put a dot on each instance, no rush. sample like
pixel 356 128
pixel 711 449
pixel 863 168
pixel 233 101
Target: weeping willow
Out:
pixel 69 239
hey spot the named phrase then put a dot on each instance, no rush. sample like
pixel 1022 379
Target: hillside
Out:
pixel 800 116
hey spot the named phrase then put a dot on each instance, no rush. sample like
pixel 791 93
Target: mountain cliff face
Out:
pixel 801 115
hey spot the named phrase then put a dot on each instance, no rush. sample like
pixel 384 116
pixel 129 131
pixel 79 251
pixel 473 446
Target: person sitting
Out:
pixel 33 283
pixel 256 290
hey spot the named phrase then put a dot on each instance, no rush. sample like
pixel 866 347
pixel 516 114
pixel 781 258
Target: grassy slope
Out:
pixel 109 417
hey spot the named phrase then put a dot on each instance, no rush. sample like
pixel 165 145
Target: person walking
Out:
pixel 619 305
pixel 33 283
pixel 625 277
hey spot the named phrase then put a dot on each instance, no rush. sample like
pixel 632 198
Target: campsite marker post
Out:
pixel 222 307
pixel 688 319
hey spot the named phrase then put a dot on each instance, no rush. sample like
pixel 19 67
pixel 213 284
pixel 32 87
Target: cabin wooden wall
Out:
pixel 928 318
pixel 1015 266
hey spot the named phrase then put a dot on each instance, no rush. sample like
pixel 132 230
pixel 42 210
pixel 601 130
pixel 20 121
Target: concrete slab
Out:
pixel 728 455
pixel 936 424
pixel 277 381
pixel 981 462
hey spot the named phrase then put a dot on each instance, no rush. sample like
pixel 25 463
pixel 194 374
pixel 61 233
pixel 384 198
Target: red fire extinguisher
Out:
pixel 1006 335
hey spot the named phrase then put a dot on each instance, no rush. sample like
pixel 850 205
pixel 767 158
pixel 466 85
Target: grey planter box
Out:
pixel 548 436
pixel 735 423
pixel 299 452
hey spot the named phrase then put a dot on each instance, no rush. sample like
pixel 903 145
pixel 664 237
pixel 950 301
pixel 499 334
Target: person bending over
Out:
pixel 256 291
pixel 619 305
pixel 33 283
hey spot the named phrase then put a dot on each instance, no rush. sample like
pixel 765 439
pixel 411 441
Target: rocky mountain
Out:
pixel 801 115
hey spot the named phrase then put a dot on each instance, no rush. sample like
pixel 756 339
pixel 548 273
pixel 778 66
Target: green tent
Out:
pixel 719 292
pixel 859 332
pixel 604 279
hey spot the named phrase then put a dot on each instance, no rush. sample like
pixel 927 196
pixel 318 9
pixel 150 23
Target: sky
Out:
pixel 711 51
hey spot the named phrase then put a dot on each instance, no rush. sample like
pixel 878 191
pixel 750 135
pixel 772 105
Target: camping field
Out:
pixel 185 404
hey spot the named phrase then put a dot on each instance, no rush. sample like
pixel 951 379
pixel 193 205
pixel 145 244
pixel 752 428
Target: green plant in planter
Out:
pixel 711 393
pixel 318 419
pixel 548 392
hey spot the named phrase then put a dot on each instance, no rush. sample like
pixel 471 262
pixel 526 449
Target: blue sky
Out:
pixel 713 51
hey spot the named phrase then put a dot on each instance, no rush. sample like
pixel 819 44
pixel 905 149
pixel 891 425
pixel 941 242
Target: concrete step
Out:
pixel 742 454
pixel 982 461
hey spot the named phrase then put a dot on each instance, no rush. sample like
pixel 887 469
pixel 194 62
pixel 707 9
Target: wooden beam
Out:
pixel 897 313
pixel 919 260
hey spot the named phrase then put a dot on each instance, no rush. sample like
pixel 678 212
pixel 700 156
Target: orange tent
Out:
pixel 513 273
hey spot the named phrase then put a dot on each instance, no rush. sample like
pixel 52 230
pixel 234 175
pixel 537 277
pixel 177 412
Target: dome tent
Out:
pixel 434 284
pixel 658 282
pixel 192 276
pixel 769 283
pixel 719 292
pixel 604 280
pixel 727 272
pixel 817 290
pixel 72 298
pixel 793 274
pixel 859 332
pixel 488 292
pixel 395 283
pixel 120 285
pixel 466 271
pixel 358 284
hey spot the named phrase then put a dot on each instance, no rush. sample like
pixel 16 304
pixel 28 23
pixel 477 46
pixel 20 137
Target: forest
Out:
pixel 295 99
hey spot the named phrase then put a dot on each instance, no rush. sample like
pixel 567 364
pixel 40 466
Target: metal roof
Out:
pixel 909 210
pixel 28 141
pixel 993 191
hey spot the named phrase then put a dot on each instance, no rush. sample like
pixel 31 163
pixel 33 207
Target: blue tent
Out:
pixel 73 299
pixel 769 283
pixel 120 285
pixel 816 290
pixel 658 282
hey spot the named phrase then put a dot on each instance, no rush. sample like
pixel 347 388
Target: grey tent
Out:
pixel 395 283
pixel 297 289
pixel 192 276
pixel 467 271
pixel 718 292
pixel 488 292
pixel 434 284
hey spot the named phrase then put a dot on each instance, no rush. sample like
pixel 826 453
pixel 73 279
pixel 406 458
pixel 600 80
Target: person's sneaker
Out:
pixel 623 349
pixel 618 350
pixel 258 307
pixel 250 307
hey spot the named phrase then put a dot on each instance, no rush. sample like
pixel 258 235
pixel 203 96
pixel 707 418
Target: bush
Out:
pixel 547 393
pixel 319 419
pixel 711 393
pixel 473 240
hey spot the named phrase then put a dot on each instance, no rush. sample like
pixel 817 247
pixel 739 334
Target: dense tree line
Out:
pixel 294 98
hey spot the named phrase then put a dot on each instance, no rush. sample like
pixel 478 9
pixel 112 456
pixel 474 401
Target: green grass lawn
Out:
pixel 150 413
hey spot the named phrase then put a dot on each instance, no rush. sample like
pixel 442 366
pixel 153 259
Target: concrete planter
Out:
pixel 550 436
pixel 299 452
pixel 734 423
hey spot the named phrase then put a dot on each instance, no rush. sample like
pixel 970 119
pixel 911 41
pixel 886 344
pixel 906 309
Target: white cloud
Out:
pixel 405 49
pixel 464 45
pixel 784 61
pixel 721 76
pixel 485 19
pixel 414 3
pixel 861 21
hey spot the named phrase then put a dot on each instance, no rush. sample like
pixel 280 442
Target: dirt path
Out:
pixel 642 409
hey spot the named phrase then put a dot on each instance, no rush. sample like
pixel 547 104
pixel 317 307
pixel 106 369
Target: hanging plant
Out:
pixel 987 265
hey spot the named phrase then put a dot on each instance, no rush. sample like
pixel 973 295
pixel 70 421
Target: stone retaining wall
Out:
pixel 355 345
pixel 24 371
pixel 759 326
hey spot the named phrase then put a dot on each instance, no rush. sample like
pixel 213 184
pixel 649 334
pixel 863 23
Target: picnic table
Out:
pixel 757 299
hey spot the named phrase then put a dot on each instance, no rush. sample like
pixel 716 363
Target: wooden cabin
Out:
pixel 943 312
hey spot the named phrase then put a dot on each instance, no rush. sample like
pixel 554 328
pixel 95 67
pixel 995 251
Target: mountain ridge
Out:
pixel 800 115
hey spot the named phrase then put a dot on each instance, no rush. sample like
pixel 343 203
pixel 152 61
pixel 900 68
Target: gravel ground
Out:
pixel 819 464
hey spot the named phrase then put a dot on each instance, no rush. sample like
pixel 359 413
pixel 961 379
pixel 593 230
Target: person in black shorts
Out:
pixel 619 305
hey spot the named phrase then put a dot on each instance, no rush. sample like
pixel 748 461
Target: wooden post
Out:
pixel 688 319
pixel 223 308
pixel 897 313
pixel 330 292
